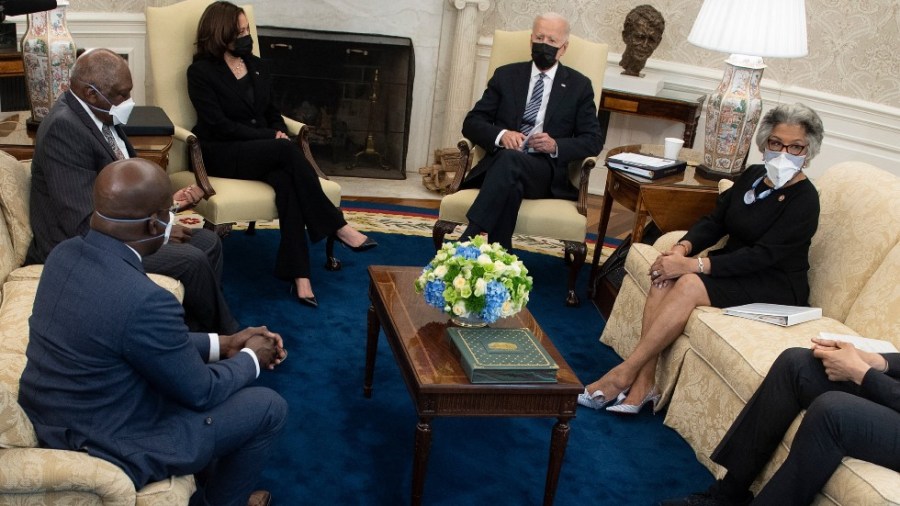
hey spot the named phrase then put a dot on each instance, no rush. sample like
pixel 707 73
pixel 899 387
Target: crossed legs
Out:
pixel 666 312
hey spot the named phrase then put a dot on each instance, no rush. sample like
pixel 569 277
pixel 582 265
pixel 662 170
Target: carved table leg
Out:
pixel 558 440
pixel 420 459
pixel 371 348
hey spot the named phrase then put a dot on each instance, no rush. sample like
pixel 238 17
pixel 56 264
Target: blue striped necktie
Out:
pixel 534 105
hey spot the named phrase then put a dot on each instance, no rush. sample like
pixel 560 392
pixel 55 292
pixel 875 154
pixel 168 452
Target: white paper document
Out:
pixel 537 129
pixel 776 313
pixel 862 343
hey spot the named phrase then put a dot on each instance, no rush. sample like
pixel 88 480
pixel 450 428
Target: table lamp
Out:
pixel 749 29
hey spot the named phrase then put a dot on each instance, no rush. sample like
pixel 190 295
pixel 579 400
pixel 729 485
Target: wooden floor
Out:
pixel 620 219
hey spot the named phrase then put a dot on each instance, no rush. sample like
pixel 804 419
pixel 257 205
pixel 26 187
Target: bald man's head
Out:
pixel 133 188
pixel 131 203
pixel 102 79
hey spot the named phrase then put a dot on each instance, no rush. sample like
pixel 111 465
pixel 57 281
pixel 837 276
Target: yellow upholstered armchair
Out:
pixel 559 219
pixel 171 32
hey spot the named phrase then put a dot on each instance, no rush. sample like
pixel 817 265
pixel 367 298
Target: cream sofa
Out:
pixel 31 475
pixel 714 367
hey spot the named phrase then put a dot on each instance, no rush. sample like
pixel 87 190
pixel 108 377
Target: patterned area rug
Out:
pixel 404 220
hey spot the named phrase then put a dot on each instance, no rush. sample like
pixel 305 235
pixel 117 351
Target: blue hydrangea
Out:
pixel 468 252
pixel 434 293
pixel 494 296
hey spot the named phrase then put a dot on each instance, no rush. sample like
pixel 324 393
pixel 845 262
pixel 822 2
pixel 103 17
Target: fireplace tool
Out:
pixel 369 151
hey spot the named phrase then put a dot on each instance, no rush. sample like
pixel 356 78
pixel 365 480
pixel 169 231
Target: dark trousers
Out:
pixel 302 205
pixel 245 428
pixel 840 421
pixel 511 177
pixel 198 265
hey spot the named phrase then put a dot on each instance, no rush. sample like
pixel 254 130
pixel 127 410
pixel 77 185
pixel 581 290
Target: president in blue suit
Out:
pixel 533 119
pixel 113 371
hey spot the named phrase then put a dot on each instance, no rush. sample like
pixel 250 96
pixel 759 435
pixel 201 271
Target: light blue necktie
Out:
pixel 534 105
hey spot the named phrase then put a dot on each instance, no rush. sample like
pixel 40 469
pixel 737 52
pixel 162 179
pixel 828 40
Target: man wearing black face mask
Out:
pixel 533 119
pixel 81 135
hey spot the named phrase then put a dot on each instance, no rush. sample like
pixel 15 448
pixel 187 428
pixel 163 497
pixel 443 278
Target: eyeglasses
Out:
pixel 794 149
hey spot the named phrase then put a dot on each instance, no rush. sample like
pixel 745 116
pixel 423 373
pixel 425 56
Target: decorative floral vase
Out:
pixel 48 53
pixel 468 321
pixel 732 115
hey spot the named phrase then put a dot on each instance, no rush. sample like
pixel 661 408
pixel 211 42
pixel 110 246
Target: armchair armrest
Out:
pixel 196 159
pixel 301 131
pixel 465 163
pixel 587 165
pixel 63 471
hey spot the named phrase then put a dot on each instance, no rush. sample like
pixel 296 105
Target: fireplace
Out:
pixel 354 91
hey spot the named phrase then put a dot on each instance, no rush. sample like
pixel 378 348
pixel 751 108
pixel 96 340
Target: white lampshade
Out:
pixel 770 28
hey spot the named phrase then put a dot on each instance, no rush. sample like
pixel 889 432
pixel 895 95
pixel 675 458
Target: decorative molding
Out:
pixel 482 5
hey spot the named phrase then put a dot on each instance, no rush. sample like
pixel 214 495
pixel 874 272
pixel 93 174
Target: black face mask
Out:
pixel 243 46
pixel 543 55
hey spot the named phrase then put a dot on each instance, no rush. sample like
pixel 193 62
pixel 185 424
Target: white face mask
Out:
pixel 781 167
pixel 165 235
pixel 120 113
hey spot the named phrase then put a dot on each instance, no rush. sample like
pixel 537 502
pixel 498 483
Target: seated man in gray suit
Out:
pixel 533 119
pixel 81 135
pixel 113 371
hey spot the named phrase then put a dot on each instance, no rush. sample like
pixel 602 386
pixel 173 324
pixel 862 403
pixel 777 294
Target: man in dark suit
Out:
pixel 113 371
pixel 81 135
pixel 533 119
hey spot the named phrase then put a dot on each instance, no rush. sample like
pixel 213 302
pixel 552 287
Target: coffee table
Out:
pixel 437 383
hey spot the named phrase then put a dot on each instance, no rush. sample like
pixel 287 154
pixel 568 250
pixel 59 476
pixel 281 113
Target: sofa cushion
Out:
pixel 554 218
pixel 859 223
pixel 874 312
pixel 16 430
pixel 742 350
pixel 18 298
pixel 15 185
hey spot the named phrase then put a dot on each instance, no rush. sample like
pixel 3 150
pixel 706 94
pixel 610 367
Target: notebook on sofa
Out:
pixel 776 313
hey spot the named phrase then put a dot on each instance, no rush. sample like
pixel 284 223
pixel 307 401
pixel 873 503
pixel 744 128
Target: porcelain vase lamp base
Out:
pixel 732 115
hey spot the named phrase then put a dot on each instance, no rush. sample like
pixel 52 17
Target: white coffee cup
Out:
pixel 673 147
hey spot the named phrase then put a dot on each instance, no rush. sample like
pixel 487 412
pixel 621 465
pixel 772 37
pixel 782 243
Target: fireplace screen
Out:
pixel 353 91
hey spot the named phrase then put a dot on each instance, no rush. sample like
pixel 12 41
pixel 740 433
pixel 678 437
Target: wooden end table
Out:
pixel 673 105
pixel 673 202
pixel 18 141
pixel 439 386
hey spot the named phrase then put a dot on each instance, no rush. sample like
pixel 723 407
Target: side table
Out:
pixel 674 203
pixel 680 106
pixel 16 140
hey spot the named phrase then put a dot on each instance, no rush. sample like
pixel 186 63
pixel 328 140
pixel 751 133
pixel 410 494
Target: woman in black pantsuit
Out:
pixel 852 403
pixel 242 135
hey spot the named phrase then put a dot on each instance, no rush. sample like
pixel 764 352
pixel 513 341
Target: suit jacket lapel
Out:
pixel 230 81
pixel 128 147
pixel 75 106
pixel 557 93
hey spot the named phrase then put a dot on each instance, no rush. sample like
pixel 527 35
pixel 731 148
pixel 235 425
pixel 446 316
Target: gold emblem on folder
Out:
pixel 503 346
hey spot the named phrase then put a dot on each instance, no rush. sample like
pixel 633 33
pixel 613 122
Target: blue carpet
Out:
pixel 340 448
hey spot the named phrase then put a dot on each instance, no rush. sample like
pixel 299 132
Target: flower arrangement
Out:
pixel 475 279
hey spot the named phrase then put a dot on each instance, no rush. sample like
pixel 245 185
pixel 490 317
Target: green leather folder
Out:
pixel 502 355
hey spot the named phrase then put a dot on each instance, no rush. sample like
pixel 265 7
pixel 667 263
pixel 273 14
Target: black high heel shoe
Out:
pixel 306 301
pixel 368 244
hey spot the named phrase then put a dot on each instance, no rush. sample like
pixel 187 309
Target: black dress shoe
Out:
pixel 306 301
pixel 368 244
pixel 309 301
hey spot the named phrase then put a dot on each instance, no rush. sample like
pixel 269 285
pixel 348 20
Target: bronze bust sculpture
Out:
pixel 642 34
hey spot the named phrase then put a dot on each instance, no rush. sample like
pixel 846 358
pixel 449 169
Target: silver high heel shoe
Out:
pixel 631 409
pixel 597 400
